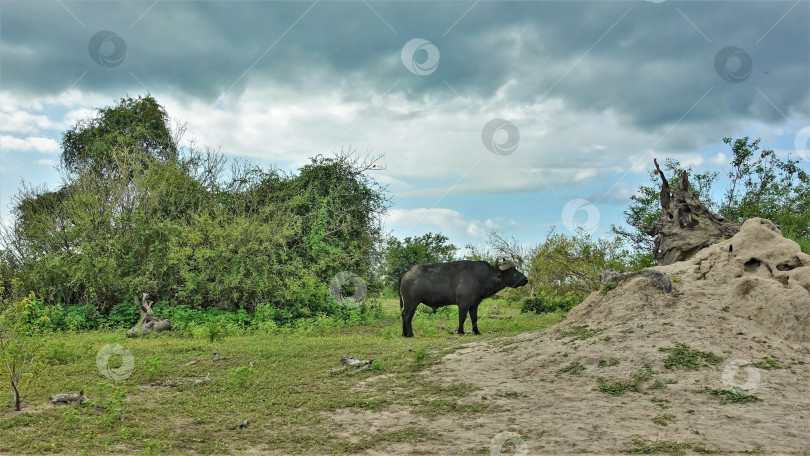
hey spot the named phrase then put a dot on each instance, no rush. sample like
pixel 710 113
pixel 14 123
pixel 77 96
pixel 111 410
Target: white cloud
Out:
pixel 415 222
pixel 46 161
pixel 24 122
pixel 35 143
pixel 585 174
pixel 719 159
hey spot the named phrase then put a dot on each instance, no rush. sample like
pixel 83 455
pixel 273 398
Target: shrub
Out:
pixel 549 302
pixel 82 318
pixel 123 315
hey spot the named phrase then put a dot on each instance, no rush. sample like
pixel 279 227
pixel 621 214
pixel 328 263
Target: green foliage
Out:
pixel 768 363
pixel 82 318
pixel 241 376
pixel 152 363
pixel 620 387
pixel 734 395
pixel 111 397
pixel 760 184
pixel 20 348
pixel 640 445
pixel 608 287
pixel 549 302
pixel 579 332
pixel 419 356
pixel 123 315
pixel 137 126
pixel 402 255
pixel 663 419
pixel 574 369
pixel 617 388
pixel 608 362
pixel 689 358
pixel 569 265
pixel 139 213
pixel 765 185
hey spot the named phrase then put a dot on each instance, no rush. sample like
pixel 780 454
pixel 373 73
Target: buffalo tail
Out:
pixel 399 293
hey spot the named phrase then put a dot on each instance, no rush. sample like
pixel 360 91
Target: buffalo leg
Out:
pixel 462 316
pixel 474 319
pixel 407 319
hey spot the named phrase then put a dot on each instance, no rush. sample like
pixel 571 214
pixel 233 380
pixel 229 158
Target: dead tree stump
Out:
pixel 686 226
pixel 149 322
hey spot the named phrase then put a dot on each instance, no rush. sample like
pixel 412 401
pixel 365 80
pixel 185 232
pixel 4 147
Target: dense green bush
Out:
pixel 123 315
pixel 550 302
pixel 139 213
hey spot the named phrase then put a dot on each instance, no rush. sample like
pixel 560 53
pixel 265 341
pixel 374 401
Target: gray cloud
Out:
pixel 651 67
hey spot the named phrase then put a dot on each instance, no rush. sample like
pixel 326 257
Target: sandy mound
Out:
pixel 745 300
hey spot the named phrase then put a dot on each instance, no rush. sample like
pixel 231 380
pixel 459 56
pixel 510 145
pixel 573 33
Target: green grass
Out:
pixel 734 395
pixel 608 362
pixel 573 369
pixel 579 332
pixel 640 445
pixel 681 355
pixel 768 363
pixel 663 419
pixel 620 387
pixel 295 379
pixel 617 388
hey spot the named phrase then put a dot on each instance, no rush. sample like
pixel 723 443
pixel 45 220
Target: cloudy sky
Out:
pixel 491 114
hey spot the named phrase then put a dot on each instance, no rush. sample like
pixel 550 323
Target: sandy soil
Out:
pixel 722 302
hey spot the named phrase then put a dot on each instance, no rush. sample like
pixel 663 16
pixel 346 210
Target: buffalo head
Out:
pixel 509 275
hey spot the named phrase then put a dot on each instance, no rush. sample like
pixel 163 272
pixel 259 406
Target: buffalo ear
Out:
pixel 506 265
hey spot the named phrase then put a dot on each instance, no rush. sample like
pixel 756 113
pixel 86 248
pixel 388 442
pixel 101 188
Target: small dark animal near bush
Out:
pixel 461 283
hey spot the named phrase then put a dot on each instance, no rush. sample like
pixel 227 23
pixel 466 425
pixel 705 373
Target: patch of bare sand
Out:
pixel 745 298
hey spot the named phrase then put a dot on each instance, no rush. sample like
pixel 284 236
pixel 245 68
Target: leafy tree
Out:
pixel 403 255
pixel 764 185
pixel 19 352
pixel 137 213
pixel 761 184
pixel 565 265
pixel 138 127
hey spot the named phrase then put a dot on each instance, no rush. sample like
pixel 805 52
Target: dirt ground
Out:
pixel 746 299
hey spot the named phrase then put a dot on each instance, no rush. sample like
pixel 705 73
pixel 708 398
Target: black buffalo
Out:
pixel 461 283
